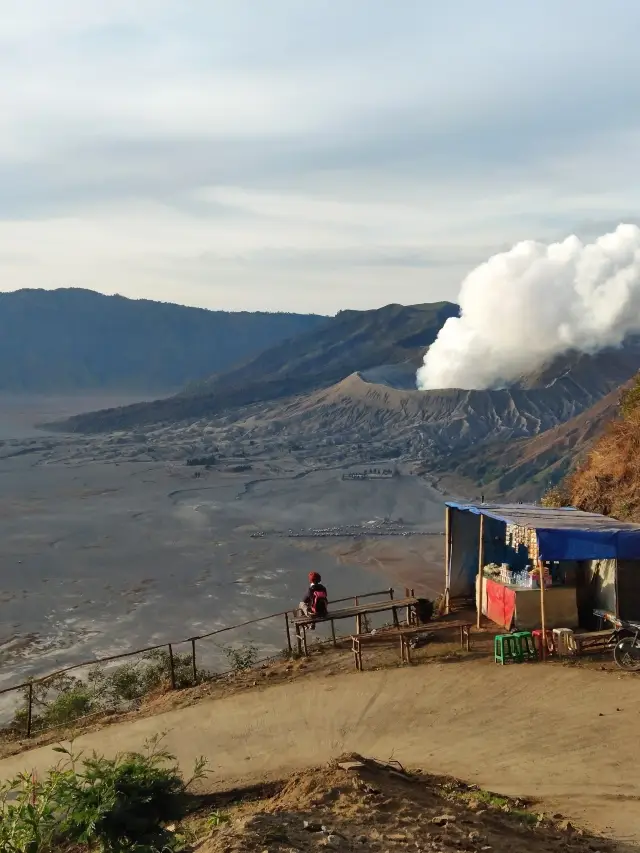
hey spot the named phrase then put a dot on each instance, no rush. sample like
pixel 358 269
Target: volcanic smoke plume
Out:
pixel 523 307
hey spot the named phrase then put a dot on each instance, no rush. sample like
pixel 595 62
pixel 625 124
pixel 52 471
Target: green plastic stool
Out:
pixel 507 649
pixel 527 646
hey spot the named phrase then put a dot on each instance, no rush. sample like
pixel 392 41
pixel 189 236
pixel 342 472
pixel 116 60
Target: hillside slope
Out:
pixel 353 340
pixel 73 339
pixel 444 428
pixel 608 480
pixel 441 716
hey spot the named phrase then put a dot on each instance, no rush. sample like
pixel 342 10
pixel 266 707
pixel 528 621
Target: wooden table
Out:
pixel 302 623
pixel 404 635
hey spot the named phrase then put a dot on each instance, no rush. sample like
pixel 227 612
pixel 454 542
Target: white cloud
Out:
pixel 237 154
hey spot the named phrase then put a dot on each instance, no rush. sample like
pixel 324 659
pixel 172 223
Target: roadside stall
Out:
pixel 536 568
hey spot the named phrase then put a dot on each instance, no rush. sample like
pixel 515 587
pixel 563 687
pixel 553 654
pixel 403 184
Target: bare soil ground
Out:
pixel 361 804
pixel 562 736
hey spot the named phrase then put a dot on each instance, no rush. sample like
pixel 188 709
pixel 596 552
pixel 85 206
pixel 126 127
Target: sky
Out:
pixel 300 155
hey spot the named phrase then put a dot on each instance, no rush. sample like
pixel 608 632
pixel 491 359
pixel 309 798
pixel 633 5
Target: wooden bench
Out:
pixel 404 636
pixel 593 641
pixel 303 623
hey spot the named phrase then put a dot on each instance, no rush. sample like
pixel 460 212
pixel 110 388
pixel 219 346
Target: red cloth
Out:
pixel 501 604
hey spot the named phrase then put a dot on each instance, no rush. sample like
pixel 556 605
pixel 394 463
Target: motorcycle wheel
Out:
pixel 626 654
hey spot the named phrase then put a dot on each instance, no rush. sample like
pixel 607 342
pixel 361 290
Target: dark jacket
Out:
pixel 315 587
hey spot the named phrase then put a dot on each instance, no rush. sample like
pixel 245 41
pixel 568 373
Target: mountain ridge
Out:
pixel 73 339
pixel 299 365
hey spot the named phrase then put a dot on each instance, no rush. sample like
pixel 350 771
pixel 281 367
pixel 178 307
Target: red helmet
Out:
pixel 314 577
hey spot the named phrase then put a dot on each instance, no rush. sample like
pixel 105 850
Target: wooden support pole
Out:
pixel 391 593
pixel 193 661
pixel 333 632
pixel 172 668
pixel 30 709
pixel 299 640
pixel 447 558
pixel 480 568
pixel 543 638
pixel 288 629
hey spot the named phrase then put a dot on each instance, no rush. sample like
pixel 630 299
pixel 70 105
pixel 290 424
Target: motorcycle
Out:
pixel 625 640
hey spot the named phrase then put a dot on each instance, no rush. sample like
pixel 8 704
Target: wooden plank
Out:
pixel 363 609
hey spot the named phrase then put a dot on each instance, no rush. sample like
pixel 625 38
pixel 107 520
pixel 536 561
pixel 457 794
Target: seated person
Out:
pixel 315 603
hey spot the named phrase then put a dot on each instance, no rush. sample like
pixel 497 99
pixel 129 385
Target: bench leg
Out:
pixel 395 617
pixel 304 642
pixel 333 633
pixel 299 640
pixel 406 650
pixel 468 633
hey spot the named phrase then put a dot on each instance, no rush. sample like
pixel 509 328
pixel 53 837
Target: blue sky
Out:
pixel 304 155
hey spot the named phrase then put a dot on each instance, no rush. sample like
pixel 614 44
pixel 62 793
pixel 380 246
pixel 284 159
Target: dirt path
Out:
pixel 565 736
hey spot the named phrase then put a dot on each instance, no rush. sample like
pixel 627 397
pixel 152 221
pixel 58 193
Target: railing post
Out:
pixel 172 668
pixel 30 709
pixel 193 660
pixel 390 593
pixel 286 622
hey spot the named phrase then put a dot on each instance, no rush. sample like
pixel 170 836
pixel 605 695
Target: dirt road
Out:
pixel 566 736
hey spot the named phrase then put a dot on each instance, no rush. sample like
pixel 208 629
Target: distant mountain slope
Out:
pixel 73 339
pixel 468 432
pixel 353 340
pixel 526 467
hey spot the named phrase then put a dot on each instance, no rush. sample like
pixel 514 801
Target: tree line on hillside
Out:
pixel 607 481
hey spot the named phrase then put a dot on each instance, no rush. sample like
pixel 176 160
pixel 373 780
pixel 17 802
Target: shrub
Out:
pixel 64 699
pixel 109 804
pixel 241 658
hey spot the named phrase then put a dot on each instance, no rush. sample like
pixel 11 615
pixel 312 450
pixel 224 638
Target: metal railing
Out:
pixel 58 700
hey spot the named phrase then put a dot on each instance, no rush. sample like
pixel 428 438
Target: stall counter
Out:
pixel 518 607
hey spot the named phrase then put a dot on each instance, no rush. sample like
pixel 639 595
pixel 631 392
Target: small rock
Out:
pixel 558 816
pixel 396 836
pixel 474 836
pixel 486 847
pixel 312 827
pixel 350 765
pixel 332 841
pixel 443 819
pixel 506 808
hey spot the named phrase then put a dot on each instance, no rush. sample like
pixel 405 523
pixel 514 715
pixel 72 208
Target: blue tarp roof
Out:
pixel 566 533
